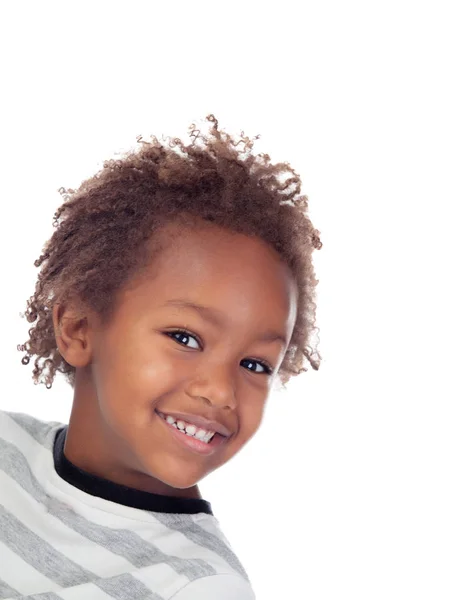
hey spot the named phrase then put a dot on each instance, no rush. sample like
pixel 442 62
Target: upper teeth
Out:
pixel 189 429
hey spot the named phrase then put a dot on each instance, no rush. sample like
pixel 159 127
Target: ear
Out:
pixel 72 334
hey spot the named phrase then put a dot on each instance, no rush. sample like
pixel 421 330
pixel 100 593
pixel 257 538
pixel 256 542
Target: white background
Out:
pixel 354 485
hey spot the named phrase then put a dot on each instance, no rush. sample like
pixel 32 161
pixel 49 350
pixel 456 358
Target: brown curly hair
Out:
pixel 105 227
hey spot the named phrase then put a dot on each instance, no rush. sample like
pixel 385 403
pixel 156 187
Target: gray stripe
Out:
pixel 43 596
pixel 200 536
pixel 37 429
pixel 61 570
pixel 6 591
pixel 38 553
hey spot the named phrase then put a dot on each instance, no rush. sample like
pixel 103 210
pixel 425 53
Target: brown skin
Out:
pixel 131 367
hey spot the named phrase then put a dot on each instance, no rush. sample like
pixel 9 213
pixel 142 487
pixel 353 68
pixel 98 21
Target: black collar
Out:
pixel 115 492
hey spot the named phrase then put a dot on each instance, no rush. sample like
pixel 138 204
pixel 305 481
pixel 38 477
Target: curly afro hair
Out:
pixel 105 228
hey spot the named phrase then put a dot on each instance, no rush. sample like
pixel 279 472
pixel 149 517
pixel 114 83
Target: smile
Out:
pixel 192 443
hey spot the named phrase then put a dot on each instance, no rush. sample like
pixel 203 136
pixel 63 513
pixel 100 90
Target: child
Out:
pixel 176 288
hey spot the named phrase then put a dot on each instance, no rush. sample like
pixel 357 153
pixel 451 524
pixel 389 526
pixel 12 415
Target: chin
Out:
pixel 179 483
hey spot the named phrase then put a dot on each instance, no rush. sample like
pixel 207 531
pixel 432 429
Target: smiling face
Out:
pixel 216 368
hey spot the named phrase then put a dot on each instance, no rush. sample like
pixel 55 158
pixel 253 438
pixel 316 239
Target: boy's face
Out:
pixel 133 368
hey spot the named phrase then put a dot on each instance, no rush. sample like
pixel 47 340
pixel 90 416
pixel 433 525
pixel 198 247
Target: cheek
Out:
pixel 152 360
pixel 127 388
pixel 250 421
pixel 143 371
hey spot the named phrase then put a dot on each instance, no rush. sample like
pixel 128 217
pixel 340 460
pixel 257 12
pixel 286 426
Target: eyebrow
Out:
pixel 216 318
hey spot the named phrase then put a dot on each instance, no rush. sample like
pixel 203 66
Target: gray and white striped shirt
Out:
pixel 68 535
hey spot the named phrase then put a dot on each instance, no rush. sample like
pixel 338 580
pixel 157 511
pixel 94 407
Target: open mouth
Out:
pixel 192 442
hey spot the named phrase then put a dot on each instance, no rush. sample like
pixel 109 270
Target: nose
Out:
pixel 217 388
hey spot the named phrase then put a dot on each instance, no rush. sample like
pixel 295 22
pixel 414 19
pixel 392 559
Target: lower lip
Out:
pixel 193 443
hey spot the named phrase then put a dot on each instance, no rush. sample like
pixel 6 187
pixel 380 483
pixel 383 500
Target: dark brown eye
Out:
pixel 182 334
pixel 267 370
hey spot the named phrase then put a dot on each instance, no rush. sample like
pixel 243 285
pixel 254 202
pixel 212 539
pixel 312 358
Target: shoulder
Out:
pixel 226 587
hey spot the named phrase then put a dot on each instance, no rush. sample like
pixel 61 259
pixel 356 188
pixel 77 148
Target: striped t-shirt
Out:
pixel 68 535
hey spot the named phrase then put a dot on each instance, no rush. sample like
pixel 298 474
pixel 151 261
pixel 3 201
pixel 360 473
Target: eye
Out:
pixel 183 334
pixel 267 369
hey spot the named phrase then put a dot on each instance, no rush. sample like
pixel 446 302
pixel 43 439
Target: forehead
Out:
pixel 223 266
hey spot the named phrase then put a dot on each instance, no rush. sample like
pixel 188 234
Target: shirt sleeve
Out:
pixel 226 587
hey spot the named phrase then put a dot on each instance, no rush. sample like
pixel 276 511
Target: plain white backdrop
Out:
pixel 354 487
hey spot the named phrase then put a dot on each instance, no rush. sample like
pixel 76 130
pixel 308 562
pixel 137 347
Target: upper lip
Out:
pixel 199 421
